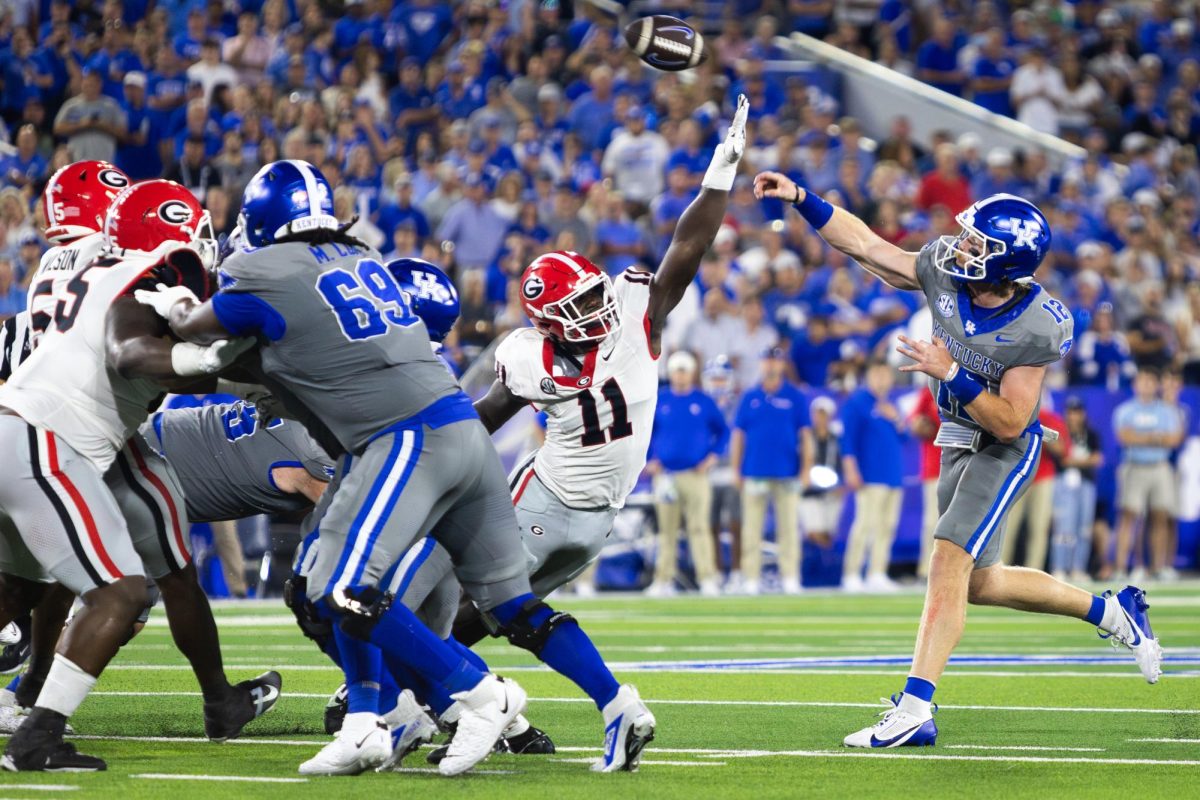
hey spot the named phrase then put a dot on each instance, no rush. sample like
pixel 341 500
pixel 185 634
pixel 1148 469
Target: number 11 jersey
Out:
pixel 599 406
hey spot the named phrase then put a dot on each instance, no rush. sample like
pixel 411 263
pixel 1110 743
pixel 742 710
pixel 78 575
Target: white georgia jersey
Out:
pixel 66 385
pixel 51 283
pixel 599 407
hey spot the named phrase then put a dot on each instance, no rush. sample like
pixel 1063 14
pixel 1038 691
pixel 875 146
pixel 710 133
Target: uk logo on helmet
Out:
pixel 1025 232
pixel 176 212
pixel 533 287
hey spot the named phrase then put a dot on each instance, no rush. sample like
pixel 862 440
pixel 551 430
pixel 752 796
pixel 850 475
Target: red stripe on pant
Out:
pixel 161 488
pixel 521 488
pixel 85 513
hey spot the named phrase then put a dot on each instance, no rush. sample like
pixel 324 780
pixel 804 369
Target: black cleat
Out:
pixel 14 656
pixel 38 746
pixel 335 710
pixel 249 700
pixel 532 742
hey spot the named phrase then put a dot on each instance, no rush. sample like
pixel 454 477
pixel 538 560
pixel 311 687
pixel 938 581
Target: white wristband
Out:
pixel 188 359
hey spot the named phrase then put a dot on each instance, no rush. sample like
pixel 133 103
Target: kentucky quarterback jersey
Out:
pixel 224 456
pixel 1032 330
pixel 340 345
pixel 599 407
pixel 50 290
pixel 66 385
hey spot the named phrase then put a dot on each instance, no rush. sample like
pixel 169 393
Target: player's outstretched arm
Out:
pixel 136 348
pixel 844 231
pixel 698 225
pixel 1004 415
pixel 498 406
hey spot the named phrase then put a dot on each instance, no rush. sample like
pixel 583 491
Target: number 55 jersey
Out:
pixel 599 405
pixel 347 356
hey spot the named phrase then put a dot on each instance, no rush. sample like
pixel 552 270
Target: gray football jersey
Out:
pixel 339 342
pixel 224 458
pixel 1034 330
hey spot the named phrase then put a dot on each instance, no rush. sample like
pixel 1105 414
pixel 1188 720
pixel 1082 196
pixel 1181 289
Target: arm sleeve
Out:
pixel 245 314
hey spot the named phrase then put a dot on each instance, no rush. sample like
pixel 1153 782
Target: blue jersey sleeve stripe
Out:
pixel 244 314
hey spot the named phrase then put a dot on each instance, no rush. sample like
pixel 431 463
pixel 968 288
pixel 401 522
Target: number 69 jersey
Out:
pixel 1033 330
pixel 599 407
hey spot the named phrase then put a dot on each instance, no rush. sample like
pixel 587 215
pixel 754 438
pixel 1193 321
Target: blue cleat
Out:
pixel 897 729
pixel 1133 631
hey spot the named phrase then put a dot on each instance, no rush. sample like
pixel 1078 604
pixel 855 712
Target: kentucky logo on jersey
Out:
pixel 945 306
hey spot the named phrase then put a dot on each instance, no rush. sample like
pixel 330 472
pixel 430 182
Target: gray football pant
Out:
pixel 977 490
pixel 447 482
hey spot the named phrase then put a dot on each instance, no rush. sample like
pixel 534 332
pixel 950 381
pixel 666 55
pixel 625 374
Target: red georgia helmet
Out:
pixel 77 198
pixel 149 213
pixel 569 298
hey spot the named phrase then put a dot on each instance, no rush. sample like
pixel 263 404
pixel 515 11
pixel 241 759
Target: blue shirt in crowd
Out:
pixel 1153 417
pixel 688 428
pixel 872 439
pixel 771 423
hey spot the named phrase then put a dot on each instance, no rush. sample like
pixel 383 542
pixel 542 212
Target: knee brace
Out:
pixel 311 623
pixel 359 609
pixel 526 634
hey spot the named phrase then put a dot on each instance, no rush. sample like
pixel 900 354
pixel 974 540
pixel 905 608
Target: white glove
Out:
pixel 189 359
pixel 723 168
pixel 164 297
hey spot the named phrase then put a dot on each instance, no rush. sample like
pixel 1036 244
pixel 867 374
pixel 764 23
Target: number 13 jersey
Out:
pixel 599 406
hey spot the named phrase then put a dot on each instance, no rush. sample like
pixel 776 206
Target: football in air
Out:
pixel 666 43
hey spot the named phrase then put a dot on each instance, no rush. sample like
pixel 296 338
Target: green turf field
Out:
pixel 752 695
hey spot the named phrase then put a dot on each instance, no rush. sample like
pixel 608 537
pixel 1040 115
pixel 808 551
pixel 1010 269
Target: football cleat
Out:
pixel 1133 631
pixel 248 701
pixel 335 710
pixel 628 727
pixel 522 739
pixel 363 743
pixel 11 714
pixel 487 710
pixel 18 644
pixel 39 747
pixel 897 729
pixel 410 728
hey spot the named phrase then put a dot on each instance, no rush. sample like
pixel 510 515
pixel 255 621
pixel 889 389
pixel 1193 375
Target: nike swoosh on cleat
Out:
pixel 263 696
pixel 875 742
pixel 505 709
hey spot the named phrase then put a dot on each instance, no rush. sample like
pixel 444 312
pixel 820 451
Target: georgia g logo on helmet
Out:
pixel 112 178
pixel 533 287
pixel 175 212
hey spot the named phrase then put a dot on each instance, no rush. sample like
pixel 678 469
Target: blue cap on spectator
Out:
pixel 231 121
pixel 635 112
pixel 476 147
pixel 564 185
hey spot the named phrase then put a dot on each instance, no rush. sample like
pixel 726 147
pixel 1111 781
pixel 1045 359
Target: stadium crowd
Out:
pixel 478 134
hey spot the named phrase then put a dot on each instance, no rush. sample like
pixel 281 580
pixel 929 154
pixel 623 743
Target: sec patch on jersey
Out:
pixel 666 43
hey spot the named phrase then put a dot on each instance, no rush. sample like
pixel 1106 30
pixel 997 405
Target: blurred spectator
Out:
pixel 872 465
pixel 765 454
pixel 635 159
pixel 1147 430
pixel 472 226
pixel 1033 512
pixel 814 352
pixel 945 185
pixel 753 337
pixel 714 332
pixel 25 166
pixel 1038 92
pixel 690 433
pixel 992 74
pixel 822 495
pixel 1151 337
pixel 937 58
pixel 1075 497
pixel 248 51
pixel 12 295
pixel 1101 353
pixel 210 72
pixel 619 240
pixel 923 423
pixel 91 123
pixel 195 171
pixel 592 113
pixel 1172 388
pixel 1187 328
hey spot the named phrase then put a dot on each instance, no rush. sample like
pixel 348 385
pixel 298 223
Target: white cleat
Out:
pixel 1133 631
pixel 710 588
pixel 791 586
pixel 898 728
pixel 657 589
pixel 11 714
pixel 363 743
pixel 487 710
pixel 881 584
pixel 410 727
pixel 852 584
pixel 628 727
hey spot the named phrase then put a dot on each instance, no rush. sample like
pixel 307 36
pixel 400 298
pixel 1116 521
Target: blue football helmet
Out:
pixel 1003 238
pixel 284 198
pixel 431 294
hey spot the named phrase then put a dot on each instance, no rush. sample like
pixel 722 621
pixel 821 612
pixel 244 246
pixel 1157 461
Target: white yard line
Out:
pixel 161 776
pixel 40 787
pixel 1167 741
pixel 647 763
pixel 1023 747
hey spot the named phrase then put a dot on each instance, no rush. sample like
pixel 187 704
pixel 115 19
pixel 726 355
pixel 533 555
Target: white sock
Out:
pixel 911 704
pixel 1114 615
pixel 517 726
pixel 65 687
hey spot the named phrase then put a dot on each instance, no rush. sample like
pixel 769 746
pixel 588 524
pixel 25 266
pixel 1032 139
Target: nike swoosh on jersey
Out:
pixel 875 742
pixel 1004 339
